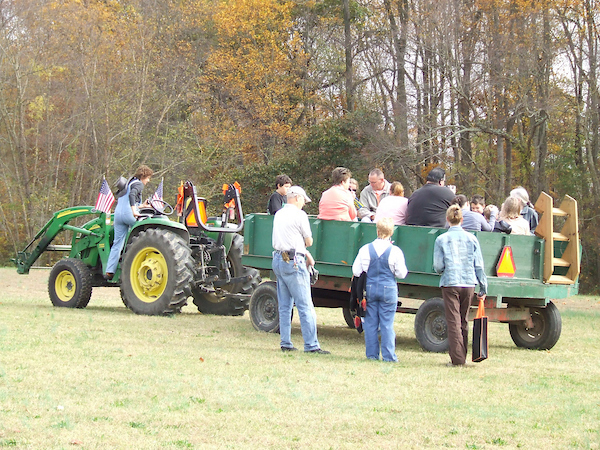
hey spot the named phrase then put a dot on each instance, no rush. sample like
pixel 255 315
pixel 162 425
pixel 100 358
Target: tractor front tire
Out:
pixel 157 272
pixel 70 284
pixel 219 303
pixel 544 334
pixel 431 328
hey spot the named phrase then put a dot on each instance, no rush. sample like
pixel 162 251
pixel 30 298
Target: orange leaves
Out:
pixel 251 84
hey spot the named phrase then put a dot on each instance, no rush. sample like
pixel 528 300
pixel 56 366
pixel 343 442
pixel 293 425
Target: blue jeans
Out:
pixel 123 219
pixel 293 286
pixel 380 315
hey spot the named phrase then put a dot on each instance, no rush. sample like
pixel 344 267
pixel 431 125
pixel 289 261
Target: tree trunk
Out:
pixel 349 74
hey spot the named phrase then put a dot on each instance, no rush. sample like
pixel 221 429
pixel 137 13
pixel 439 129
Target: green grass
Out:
pixel 103 377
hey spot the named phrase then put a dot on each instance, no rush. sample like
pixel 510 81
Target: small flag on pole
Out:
pixel 157 197
pixel 105 198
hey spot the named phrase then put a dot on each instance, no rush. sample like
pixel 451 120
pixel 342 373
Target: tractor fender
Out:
pixel 159 223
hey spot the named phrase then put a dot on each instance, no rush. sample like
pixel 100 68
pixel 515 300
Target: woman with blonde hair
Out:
pixel 511 214
pixel 457 256
pixel 394 205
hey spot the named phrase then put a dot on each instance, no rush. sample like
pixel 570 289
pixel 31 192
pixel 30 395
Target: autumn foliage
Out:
pixel 499 92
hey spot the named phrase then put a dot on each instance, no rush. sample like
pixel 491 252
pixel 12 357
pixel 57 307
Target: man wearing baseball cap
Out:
pixel 291 236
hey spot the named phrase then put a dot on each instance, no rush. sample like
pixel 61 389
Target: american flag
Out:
pixel 105 198
pixel 158 195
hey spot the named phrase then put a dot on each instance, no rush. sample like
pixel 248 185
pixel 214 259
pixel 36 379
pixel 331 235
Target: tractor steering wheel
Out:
pixel 157 207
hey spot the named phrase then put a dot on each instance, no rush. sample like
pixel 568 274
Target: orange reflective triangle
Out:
pixel 506 265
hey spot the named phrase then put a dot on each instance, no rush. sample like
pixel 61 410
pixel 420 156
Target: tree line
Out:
pixel 498 92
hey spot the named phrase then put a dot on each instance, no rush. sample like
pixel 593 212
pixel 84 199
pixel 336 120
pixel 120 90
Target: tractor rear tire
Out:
pixel 70 284
pixel 264 308
pixel 157 272
pixel 431 328
pixel 547 326
pixel 220 304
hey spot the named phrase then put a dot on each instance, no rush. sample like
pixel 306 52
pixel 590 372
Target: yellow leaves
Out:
pixel 38 107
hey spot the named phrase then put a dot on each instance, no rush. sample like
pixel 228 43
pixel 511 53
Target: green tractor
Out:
pixel 164 262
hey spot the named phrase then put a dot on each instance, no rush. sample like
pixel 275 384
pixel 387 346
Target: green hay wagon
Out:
pixel 524 273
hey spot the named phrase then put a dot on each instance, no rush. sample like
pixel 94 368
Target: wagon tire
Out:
pixel 70 284
pixel 547 326
pixel 431 328
pixel 349 316
pixel 157 273
pixel 264 308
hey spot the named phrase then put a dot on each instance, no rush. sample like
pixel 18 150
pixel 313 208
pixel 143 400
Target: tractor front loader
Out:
pixel 163 262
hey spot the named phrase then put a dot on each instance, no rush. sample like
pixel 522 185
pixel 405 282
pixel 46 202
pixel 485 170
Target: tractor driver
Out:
pixel 126 214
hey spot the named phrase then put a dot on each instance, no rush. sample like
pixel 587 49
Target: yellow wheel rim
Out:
pixel 65 286
pixel 149 274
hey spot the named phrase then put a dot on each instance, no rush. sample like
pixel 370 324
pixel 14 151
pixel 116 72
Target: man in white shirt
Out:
pixel 291 236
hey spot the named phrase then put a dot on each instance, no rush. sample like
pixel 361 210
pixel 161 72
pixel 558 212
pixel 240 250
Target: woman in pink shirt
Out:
pixel 394 205
pixel 337 202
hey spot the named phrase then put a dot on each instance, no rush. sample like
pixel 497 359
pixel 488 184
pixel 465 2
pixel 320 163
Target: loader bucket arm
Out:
pixel 58 223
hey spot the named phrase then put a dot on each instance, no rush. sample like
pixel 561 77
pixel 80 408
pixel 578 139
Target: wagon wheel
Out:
pixel 349 316
pixel 544 333
pixel 431 329
pixel 264 308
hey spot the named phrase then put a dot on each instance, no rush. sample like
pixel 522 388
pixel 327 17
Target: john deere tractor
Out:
pixel 164 262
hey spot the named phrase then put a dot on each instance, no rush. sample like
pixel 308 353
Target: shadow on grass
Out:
pixel 49 307
pixel 407 343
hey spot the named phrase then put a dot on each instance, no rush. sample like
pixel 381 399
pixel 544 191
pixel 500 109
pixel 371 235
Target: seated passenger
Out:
pixel 478 204
pixel 353 190
pixel 487 212
pixel 337 202
pixel 474 221
pixel 371 195
pixel 527 209
pixel 427 206
pixel 394 205
pixel 511 214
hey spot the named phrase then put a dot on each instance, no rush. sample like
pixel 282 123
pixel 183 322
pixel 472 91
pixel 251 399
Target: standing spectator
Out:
pixel 291 236
pixel 337 202
pixel 427 206
pixel 371 195
pixel 126 213
pixel 457 256
pixel 383 262
pixel 277 199
pixel 474 221
pixel 394 205
pixel 510 213
pixel 527 209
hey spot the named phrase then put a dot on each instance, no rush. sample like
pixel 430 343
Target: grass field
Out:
pixel 105 378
